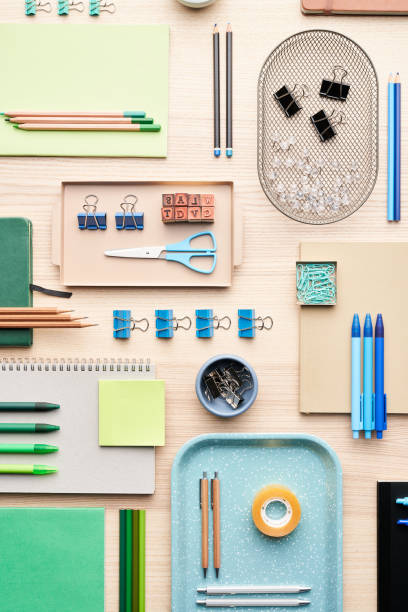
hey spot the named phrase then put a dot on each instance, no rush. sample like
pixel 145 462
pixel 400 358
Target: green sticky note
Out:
pixel 131 413
pixel 84 67
pixel 52 559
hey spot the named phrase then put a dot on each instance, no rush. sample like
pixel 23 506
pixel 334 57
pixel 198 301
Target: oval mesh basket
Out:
pixel 307 179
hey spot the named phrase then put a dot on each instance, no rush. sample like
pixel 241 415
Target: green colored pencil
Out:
pixel 122 561
pixel 41 449
pixel 39 470
pixel 142 552
pixel 27 428
pixel 135 569
pixel 129 555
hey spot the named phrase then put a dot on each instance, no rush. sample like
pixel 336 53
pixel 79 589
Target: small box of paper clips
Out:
pixel 316 283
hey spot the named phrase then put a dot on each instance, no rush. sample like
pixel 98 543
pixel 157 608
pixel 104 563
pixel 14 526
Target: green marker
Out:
pixel 38 449
pixel 27 406
pixel 27 428
pixel 27 469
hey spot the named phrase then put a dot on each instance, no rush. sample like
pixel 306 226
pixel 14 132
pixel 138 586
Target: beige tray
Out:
pixel 80 254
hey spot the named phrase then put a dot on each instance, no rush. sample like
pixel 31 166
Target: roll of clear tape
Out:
pixel 276 527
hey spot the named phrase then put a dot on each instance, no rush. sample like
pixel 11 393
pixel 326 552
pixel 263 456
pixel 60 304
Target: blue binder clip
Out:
pixel 123 324
pixel 32 6
pixel 64 6
pixel 167 324
pixel 206 323
pixel 96 6
pixel 90 219
pixel 248 323
pixel 129 219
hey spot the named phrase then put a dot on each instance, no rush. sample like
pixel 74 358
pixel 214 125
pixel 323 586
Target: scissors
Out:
pixel 182 252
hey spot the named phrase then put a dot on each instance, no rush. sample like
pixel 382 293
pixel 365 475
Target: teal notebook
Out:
pixel 16 274
pixel 51 559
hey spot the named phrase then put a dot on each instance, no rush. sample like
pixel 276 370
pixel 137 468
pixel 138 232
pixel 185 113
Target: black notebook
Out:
pixel 392 551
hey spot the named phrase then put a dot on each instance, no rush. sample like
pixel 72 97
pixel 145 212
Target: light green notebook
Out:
pixel 51 67
pixel 131 413
pixel 52 559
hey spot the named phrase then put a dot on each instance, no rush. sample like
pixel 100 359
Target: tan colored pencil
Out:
pixel 87 127
pixel 39 317
pixel 33 310
pixel 71 113
pixel 43 324
pixel 204 522
pixel 215 505
pixel 80 120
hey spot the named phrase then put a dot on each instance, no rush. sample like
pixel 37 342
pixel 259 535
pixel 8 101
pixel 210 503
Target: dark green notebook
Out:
pixel 16 274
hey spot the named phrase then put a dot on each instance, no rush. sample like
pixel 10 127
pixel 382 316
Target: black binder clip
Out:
pixel 335 89
pixel 90 219
pixel 325 124
pixel 288 99
pixel 129 219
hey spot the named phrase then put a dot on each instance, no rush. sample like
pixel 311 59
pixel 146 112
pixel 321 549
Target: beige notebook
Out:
pixel 355 7
pixel 371 278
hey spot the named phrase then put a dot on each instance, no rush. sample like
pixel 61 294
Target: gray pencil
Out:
pixel 251 589
pixel 252 603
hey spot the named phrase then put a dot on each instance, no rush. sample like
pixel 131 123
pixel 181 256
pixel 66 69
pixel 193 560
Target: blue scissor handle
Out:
pixel 183 252
pixel 185 245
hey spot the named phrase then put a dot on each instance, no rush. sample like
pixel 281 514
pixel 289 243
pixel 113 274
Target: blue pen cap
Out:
pixel 379 326
pixel 368 327
pixel 355 328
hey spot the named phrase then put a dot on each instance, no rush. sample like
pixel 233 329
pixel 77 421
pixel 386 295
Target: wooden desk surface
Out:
pixel 265 281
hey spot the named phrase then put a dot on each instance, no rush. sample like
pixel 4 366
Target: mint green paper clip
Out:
pixel 64 6
pixel 32 6
pixel 96 7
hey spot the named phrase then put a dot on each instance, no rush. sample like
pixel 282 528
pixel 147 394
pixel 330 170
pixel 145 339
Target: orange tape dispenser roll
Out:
pixel 276 528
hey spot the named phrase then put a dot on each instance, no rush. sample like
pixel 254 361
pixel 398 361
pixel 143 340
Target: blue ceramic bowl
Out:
pixel 218 406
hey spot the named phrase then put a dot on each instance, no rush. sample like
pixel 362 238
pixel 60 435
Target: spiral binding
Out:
pixel 74 365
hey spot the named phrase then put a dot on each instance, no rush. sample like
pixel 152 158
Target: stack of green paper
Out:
pixel 52 559
pixel 132 560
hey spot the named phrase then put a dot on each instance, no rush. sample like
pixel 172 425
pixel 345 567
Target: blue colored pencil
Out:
pixel 397 160
pixel 391 150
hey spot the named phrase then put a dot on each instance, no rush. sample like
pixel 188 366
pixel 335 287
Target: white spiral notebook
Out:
pixel 84 467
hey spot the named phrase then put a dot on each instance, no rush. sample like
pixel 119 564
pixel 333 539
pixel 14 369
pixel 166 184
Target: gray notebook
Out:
pixel 83 465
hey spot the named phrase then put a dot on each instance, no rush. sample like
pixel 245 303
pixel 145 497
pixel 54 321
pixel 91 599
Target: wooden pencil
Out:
pixel 33 310
pixel 229 92
pixel 43 324
pixel 80 120
pixel 215 504
pixel 216 90
pixel 71 113
pixel 87 127
pixel 39 317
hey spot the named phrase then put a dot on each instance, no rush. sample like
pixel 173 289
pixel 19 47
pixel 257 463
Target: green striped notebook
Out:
pixel 16 274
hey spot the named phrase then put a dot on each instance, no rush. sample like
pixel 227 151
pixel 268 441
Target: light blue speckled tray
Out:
pixel 311 555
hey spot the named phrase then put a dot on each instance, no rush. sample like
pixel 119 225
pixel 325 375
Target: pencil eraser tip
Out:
pixel 217 152
pixel 228 152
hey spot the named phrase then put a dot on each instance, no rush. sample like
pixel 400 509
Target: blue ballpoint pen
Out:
pixel 380 397
pixel 356 398
pixel 368 399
